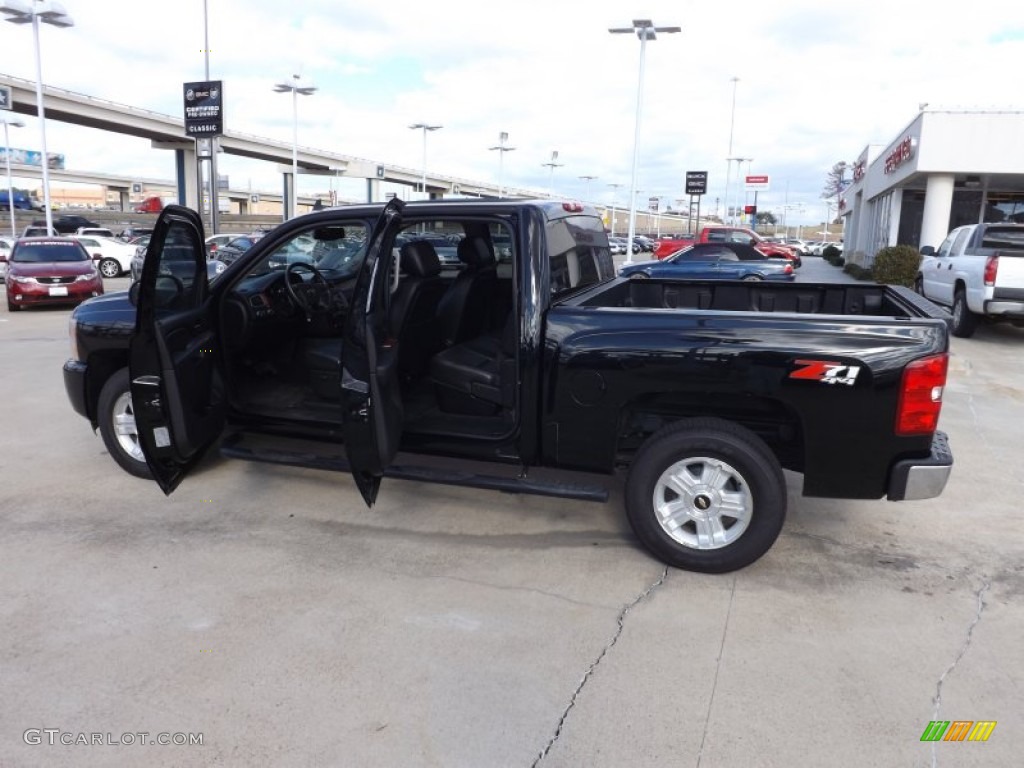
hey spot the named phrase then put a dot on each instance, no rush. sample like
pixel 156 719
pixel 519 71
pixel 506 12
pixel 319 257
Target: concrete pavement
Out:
pixel 267 609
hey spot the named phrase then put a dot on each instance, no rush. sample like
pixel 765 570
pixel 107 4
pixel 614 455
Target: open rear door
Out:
pixel 177 388
pixel 372 410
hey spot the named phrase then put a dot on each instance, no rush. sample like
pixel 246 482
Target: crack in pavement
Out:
pixel 937 701
pixel 593 666
pixel 718 666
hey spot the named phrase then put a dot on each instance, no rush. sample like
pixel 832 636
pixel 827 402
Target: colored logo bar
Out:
pixel 958 730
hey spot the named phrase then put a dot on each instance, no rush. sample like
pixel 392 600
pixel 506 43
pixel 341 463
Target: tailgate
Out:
pixel 1007 242
pixel 1011 269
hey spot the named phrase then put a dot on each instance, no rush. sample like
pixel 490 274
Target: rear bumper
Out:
pixel 1003 308
pixel 922 478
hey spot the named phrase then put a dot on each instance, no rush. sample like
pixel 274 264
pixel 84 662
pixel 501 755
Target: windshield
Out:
pixel 48 252
pixel 335 249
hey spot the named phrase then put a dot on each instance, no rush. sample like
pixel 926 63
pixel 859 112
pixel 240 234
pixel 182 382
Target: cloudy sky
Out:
pixel 817 82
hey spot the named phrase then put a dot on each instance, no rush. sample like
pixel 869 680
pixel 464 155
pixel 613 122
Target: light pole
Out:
pixel 424 127
pixel 645 30
pixel 7 121
pixel 739 172
pixel 588 179
pixel 32 12
pixel 501 149
pixel 552 164
pixel 306 90
pixel 615 194
pixel 728 159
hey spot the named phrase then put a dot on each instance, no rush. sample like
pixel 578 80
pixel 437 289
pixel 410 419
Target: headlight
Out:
pixel 86 278
pixel 23 279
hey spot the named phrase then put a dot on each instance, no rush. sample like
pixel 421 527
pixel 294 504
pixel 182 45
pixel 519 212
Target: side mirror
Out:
pixel 927 251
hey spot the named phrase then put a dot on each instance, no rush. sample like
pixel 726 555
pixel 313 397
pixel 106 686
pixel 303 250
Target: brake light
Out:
pixel 991 267
pixel 572 207
pixel 788 269
pixel 921 396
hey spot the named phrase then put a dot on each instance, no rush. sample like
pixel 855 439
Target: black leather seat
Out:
pixel 413 321
pixel 477 377
pixel 414 308
pixel 465 311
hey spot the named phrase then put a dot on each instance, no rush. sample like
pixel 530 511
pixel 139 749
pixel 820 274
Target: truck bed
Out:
pixel 802 298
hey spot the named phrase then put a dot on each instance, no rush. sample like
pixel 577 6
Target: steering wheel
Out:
pixel 316 297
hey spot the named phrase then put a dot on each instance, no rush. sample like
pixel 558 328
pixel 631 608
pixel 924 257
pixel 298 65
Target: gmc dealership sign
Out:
pixel 903 151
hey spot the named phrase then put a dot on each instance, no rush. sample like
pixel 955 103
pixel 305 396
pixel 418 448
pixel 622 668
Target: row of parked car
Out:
pixel 805 247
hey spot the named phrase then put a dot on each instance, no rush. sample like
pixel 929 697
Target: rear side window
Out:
pixel 579 254
pixel 1004 238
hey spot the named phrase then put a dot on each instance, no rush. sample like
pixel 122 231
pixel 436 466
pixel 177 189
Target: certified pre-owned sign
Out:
pixel 204 109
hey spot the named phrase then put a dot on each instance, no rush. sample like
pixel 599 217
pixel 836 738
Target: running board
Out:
pixel 231 448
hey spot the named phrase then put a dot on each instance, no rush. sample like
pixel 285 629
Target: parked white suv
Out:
pixel 978 270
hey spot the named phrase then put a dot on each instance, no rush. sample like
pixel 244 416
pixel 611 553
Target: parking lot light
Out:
pixel 552 164
pixel 502 149
pixel 425 128
pixel 306 90
pixel 21 12
pixel 645 30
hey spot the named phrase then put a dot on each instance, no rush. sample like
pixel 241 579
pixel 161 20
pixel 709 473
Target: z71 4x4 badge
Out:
pixel 826 372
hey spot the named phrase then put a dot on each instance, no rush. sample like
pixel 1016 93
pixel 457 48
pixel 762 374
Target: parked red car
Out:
pixel 50 270
pixel 723 234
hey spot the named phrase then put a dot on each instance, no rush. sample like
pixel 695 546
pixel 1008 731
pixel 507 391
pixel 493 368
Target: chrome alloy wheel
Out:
pixel 703 503
pixel 124 427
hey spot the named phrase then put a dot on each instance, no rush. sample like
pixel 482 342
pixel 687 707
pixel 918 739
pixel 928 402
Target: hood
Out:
pixel 51 269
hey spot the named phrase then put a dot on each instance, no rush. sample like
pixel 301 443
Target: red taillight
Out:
pixel 788 269
pixel 572 207
pixel 991 267
pixel 921 396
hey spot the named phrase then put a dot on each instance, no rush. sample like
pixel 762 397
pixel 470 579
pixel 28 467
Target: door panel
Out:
pixel 176 383
pixel 372 411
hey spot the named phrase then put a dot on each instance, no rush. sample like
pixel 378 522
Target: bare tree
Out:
pixel 835 181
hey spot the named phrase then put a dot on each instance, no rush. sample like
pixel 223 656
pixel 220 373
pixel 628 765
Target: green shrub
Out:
pixel 896 265
pixel 830 254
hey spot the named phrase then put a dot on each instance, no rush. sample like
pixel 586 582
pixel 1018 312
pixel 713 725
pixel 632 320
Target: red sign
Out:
pixel 757 182
pixel 858 170
pixel 903 151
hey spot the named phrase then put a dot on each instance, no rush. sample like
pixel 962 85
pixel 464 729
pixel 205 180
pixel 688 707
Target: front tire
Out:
pixel 706 495
pixel 110 268
pixel 964 321
pixel 752 279
pixel 117 425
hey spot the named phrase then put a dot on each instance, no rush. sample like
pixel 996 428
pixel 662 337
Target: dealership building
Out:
pixel 945 169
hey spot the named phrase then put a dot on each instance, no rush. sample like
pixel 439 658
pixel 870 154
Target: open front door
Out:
pixel 177 388
pixel 371 399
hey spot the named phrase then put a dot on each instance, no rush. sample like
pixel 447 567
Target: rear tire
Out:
pixel 117 425
pixel 752 279
pixel 964 321
pixel 919 286
pixel 706 495
pixel 110 268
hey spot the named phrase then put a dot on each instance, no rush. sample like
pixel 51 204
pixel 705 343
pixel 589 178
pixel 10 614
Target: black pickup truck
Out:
pixel 529 352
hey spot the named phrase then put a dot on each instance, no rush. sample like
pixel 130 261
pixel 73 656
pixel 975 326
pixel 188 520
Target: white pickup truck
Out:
pixel 979 272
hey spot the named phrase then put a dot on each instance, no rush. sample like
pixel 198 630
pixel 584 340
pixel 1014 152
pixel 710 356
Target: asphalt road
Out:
pixel 270 611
